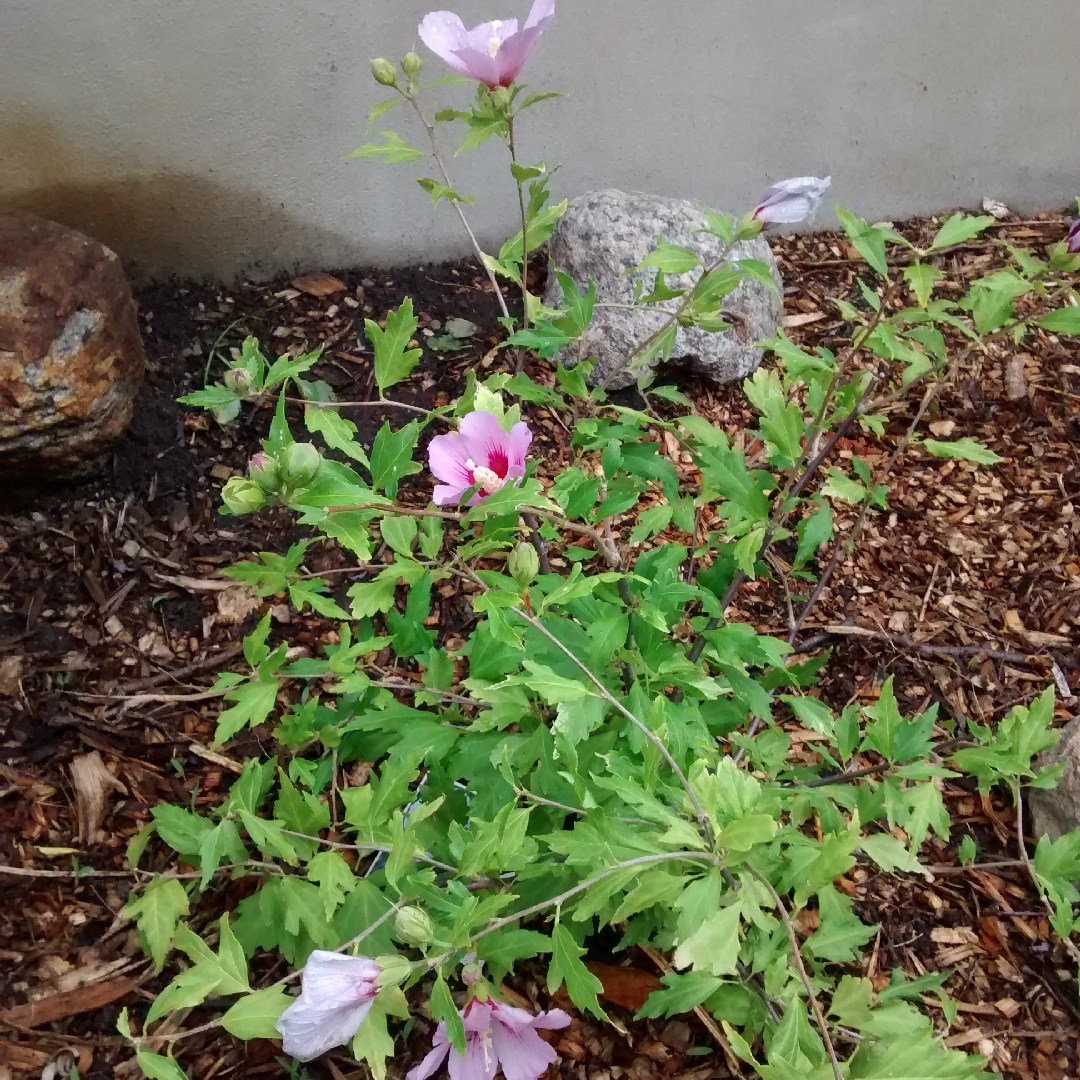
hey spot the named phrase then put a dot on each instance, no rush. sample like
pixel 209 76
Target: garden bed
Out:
pixel 967 589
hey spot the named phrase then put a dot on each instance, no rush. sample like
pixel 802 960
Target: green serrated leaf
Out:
pixel 255 1015
pixel 566 967
pixel 156 912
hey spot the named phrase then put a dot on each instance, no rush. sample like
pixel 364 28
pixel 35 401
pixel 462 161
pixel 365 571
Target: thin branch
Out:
pixel 780 514
pixel 558 901
pixel 1071 948
pixel 907 644
pixel 378 403
pixel 285 979
pixel 800 968
pixel 706 1020
pixel 703 818
pixel 430 129
pixel 381 848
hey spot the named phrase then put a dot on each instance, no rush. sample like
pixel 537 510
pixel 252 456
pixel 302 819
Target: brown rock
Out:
pixel 71 358
pixel 1056 811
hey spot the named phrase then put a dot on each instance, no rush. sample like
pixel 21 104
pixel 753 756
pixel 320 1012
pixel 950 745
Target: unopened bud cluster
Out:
pixel 292 470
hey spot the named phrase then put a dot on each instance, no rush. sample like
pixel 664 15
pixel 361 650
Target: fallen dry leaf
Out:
pixel 625 986
pixel 92 783
pixel 235 605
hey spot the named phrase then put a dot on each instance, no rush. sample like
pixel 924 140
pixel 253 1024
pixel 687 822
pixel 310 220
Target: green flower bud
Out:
pixel 524 564
pixel 243 496
pixel 299 462
pixel 749 227
pixel 500 98
pixel 238 380
pixel 412 64
pixel 412 926
pixel 384 72
pixel 263 469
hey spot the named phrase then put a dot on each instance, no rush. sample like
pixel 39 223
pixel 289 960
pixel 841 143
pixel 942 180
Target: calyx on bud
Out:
pixel 243 496
pixel 264 470
pixel 413 926
pixel 524 564
pixel 412 64
pixel 384 72
pixel 238 380
pixel 299 462
pixel 500 98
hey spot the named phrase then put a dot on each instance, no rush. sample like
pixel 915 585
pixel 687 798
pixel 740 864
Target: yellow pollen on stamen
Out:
pixel 495 42
pixel 489 480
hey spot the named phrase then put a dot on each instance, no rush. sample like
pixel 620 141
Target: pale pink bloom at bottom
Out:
pixel 335 998
pixel 496 1036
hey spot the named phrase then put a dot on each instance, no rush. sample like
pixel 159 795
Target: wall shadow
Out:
pixel 162 224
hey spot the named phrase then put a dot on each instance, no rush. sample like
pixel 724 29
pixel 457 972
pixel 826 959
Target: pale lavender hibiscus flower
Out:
pixel 335 998
pixel 1072 238
pixel 493 52
pixel 791 200
pixel 483 453
pixel 496 1036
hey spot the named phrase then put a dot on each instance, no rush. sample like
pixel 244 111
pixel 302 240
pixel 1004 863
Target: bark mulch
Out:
pixel 967 589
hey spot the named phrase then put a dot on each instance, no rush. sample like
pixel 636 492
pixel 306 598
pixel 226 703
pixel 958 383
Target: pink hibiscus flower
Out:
pixel 496 1035
pixel 493 52
pixel 791 200
pixel 482 452
pixel 335 998
pixel 1072 238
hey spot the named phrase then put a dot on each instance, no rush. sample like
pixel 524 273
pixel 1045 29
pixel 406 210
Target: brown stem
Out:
pixel 800 968
pixel 1072 950
pixel 430 129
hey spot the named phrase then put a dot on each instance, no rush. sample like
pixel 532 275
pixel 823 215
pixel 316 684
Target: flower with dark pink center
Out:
pixel 492 53
pixel 481 452
pixel 496 1036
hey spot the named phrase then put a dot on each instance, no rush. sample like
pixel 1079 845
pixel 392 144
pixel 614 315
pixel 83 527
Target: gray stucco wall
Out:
pixel 208 137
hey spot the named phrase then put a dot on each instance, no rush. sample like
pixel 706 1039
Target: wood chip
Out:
pixel 84 999
pixel 789 322
pixel 92 783
pixel 22 1058
pixel 1015 380
pixel 319 285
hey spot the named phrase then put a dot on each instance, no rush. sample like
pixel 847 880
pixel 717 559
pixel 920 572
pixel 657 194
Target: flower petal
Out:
pixel 552 1020
pixel 480 1061
pixel 543 11
pixel 444 34
pixel 310 1030
pixel 486 441
pixel 791 200
pixel 447 457
pixel 333 980
pixel 518 445
pixel 440 1046
pixel 523 1055
pixel 446 495
pixel 479 64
